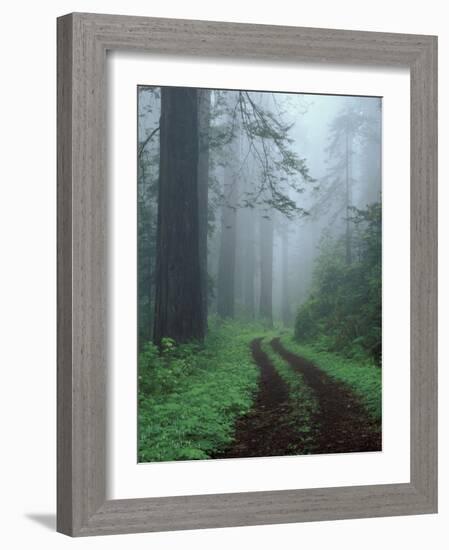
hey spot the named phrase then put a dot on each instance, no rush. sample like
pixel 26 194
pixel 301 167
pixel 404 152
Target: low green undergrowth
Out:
pixel 191 395
pixel 343 311
pixel 363 377
pixel 303 402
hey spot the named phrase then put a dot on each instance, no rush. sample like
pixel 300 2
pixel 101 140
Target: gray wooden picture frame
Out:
pixel 83 40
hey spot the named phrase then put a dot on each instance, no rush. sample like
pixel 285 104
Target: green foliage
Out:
pixel 190 395
pixel 361 376
pixel 344 311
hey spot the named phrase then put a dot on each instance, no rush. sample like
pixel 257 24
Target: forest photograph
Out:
pixel 259 246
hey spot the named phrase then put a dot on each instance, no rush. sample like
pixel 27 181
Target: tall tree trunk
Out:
pixel 203 186
pixel 266 269
pixel 143 259
pixel 228 237
pixel 348 199
pixel 144 274
pixel 249 264
pixel 286 311
pixel 178 296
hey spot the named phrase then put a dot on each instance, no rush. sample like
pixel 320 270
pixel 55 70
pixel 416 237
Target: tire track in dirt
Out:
pixel 341 424
pixel 267 430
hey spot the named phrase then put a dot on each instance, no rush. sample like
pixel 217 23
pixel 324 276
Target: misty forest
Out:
pixel 259 274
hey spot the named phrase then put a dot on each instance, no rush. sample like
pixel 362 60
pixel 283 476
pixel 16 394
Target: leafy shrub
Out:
pixel 190 395
pixel 344 310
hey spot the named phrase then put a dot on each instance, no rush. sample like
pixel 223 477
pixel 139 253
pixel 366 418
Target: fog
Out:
pixel 284 171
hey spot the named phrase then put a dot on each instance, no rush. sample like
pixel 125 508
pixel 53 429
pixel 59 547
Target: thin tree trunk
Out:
pixel 178 296
pixel 266 269
pixel 203 186
pixel 348 195
pixel 286 311
pixel 249 265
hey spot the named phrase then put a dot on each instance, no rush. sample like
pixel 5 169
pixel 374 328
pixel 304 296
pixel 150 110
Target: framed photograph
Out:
pixel 247 282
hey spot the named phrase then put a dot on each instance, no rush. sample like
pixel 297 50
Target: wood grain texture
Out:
pixel 64 277
pixel 83 40
pixel 423 274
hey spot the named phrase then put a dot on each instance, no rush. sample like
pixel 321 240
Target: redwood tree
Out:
pixel 266 269
pixel 285 297
pixel 179 312
pixel 250 264
pixel 228 238
pixel 203 191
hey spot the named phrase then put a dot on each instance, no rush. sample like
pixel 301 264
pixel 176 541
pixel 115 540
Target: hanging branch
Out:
pixel 147 140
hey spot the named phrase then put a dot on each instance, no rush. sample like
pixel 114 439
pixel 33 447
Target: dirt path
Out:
pixel 267 430
pixel 341 424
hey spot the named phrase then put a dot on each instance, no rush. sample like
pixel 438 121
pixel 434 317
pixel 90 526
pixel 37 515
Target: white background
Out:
pixel 27 301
